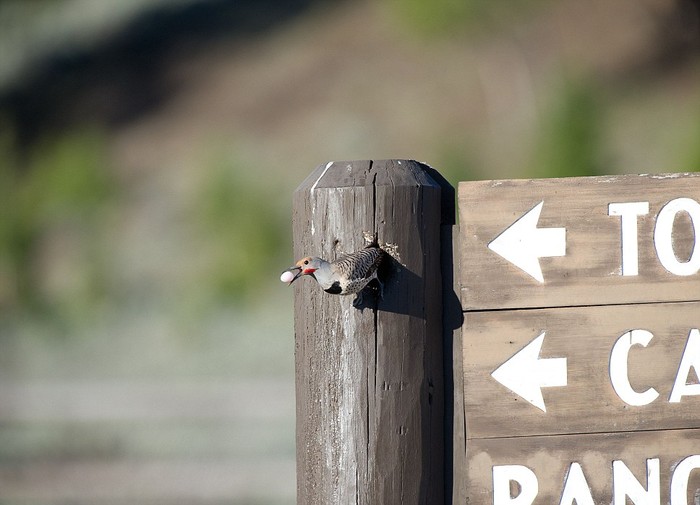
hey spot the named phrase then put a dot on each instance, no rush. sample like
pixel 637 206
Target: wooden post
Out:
pixel 369 383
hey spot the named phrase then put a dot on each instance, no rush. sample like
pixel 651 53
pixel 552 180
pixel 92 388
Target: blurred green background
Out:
pixel 148 153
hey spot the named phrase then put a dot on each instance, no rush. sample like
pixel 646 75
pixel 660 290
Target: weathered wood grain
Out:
pixel 585 336
pixel 458 445
pixel 590 272
pixel 369 383
pixel 583 306
pixel 551 457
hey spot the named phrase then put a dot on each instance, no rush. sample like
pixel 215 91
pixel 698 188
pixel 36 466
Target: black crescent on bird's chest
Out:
pixel 335 288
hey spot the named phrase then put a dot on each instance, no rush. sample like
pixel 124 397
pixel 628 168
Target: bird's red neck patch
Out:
pixel 308 271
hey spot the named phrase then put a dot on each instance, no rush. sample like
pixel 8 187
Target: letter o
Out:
pixel 679 481
pixel 663 236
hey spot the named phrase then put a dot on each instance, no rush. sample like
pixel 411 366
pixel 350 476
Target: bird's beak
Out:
pixel 297 275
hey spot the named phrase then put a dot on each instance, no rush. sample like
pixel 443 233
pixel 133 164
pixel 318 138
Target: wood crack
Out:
pixel 549 307
pixel 583 433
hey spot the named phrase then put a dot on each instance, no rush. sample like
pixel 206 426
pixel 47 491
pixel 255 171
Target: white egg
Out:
pixel 287 276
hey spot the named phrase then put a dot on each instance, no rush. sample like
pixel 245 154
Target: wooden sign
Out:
pixel 581 340
pixel 579 241
pixel 619 468
pixel 582 370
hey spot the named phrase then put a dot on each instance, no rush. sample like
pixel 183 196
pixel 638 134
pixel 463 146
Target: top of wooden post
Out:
pixel 342 174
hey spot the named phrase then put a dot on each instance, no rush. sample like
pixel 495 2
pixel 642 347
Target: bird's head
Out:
pixel 305 266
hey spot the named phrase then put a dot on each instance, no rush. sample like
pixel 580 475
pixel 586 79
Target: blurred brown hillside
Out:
pixel 148 153
pixel 363 79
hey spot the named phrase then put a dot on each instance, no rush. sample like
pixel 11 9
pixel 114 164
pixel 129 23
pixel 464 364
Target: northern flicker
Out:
pixel 347 275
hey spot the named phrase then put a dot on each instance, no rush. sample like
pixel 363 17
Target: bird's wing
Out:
pixel 361 264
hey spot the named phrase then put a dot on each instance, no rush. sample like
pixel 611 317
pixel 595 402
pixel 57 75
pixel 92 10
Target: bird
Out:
pixel 347 275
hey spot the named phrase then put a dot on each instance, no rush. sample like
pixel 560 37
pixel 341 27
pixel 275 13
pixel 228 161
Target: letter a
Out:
pixel 576 487
pixel 691 358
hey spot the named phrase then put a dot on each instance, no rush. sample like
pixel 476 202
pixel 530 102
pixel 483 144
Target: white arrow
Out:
pixel 525 374
pixel 523 243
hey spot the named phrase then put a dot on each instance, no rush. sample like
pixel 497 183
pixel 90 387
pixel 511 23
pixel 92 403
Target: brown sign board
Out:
pixel 579 241
pixel 595 379
pixel 581 340
pixel 599 469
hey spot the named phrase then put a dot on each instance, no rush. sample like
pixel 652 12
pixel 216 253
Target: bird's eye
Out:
pixel 306 262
